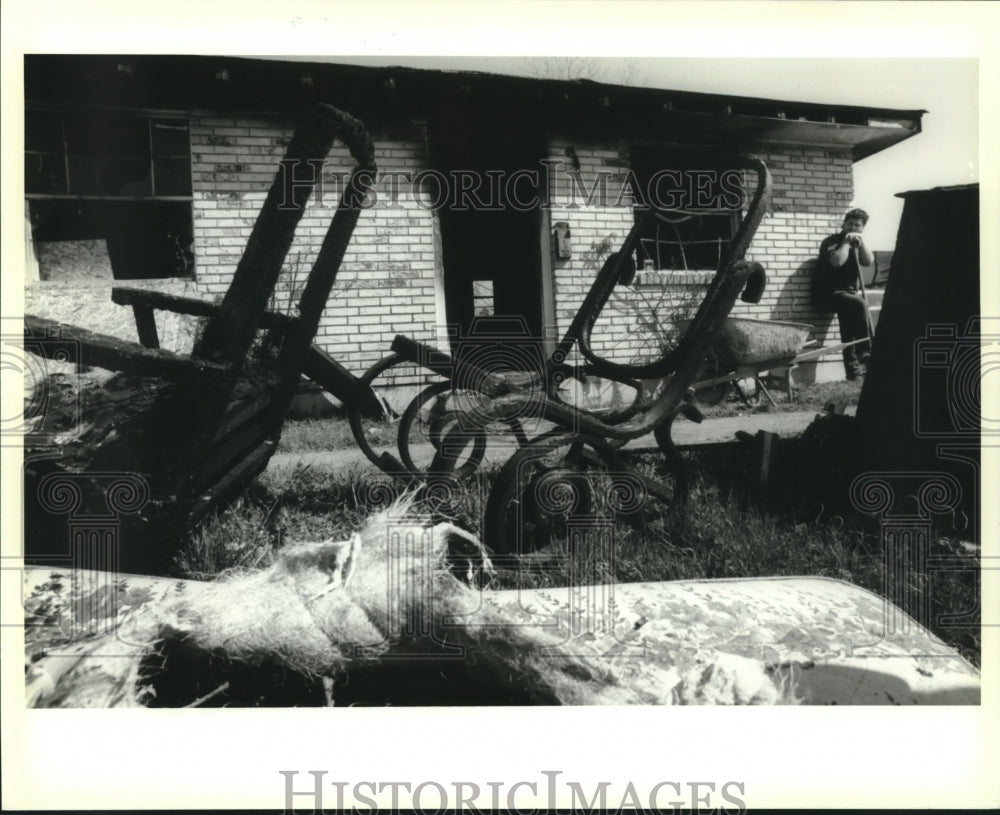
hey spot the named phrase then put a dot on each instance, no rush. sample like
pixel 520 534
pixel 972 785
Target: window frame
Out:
pixel 642 161
pixel 149 116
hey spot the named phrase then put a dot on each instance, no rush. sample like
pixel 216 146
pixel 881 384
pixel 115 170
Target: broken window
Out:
pixel 482 298
pixel 697 210
pixel 109 195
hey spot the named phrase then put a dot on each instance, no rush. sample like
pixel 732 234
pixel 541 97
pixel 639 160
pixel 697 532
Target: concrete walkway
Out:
pixel 686 435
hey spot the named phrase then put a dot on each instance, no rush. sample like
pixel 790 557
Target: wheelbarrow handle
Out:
pixel 815 353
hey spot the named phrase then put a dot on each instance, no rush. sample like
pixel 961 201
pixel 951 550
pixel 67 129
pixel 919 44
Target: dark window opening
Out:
pixel 108 195
pixel 126 240
pixel 697 208
pixel 106 155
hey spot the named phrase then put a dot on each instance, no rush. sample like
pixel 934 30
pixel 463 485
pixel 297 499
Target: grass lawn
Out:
pixel 722 532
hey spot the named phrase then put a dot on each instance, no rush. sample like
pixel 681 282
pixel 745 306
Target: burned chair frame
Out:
pixel 503 398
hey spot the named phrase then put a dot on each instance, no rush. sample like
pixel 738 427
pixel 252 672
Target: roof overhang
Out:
pixel 263 85
pixel 862 140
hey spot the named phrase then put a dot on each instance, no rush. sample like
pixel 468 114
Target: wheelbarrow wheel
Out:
pixel 711 395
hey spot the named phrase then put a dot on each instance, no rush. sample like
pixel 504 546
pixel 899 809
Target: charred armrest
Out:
pixel 161 301
pixel 69 343
pixel 333 377
pixel 755 281
pixel 463 375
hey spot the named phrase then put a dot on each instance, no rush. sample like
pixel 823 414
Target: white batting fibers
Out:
pixel 323 604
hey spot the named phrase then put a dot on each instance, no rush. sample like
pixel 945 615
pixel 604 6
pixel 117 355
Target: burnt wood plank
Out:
pixel 70 343
pixel 193 306
pixel 243 412
pixel 225 455
pixel 227 487
pixel 231 332
pixel 145 325
pixel 329 374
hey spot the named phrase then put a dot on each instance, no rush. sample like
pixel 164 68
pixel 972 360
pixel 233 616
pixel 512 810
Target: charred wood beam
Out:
pixel 333 377
pixel 69 343
pixel 176 304
pixel 230 333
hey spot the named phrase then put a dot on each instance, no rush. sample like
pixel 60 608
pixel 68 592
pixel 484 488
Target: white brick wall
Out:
pixel 811 190
pixel 385 285
pixel 592 226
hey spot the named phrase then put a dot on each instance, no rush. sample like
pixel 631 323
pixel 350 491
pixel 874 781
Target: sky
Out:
pixel 944 153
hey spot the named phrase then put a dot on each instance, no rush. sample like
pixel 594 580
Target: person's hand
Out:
pixel 854 238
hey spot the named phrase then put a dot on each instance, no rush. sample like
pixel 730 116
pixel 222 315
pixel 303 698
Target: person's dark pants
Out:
pixel 852 314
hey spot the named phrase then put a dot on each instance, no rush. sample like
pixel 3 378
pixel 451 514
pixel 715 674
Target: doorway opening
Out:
pixel 491 222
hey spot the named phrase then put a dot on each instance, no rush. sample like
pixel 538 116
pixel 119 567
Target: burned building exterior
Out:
pixel 495 194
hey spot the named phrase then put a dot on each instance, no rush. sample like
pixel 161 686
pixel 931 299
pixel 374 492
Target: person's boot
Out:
pixel 852 367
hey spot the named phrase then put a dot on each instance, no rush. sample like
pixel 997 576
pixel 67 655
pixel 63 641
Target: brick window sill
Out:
pixel 668 277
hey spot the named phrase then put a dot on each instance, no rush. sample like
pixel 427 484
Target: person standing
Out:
pixel 836 281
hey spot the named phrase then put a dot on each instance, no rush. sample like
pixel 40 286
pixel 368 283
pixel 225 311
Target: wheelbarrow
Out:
pixel 748 349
